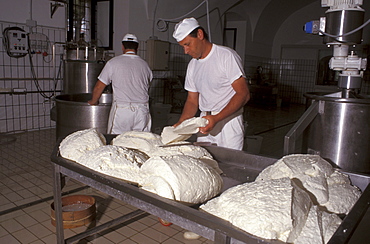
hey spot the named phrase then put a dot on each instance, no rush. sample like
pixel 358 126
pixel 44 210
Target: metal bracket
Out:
pixel 54 6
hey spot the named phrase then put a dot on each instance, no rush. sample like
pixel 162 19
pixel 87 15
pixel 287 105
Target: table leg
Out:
pixel 57 191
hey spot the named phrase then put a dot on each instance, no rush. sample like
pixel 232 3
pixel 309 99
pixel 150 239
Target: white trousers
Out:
pixel 129 117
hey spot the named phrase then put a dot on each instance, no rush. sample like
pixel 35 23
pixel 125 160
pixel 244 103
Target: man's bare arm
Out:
pixel 98 90
pixel 240 98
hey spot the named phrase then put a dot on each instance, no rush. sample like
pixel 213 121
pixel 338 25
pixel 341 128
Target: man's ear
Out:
pixel 200 34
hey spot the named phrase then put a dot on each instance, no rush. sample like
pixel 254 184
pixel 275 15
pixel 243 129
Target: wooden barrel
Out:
pixel 77 210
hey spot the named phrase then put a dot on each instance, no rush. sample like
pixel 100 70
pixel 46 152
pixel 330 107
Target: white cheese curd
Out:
pixel 191 126
pixel 338 178
pixel 342 195
pixel 190 179
pixel 157 185
pixel 168 135
pixel 330 223
pixel 183 131
pixel 151 143
pixel 265 209
pixel 310 170
pixel 262 207
pixel 115 161
pixel 319 228
pixel 311 232
pixel 80 142
pixel 140 140
pixel 186 150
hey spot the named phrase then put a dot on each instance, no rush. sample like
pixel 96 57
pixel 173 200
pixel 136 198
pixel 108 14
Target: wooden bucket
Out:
pixel 77 210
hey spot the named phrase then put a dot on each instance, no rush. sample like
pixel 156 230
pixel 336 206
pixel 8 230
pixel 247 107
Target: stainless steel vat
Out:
pixel 337 129
pixel 74 113
pixel 80 76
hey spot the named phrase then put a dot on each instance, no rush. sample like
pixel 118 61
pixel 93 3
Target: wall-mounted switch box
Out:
pixel 157 54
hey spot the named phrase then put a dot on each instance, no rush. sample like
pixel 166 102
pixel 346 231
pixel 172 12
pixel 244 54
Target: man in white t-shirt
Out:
pixel 216 85
pixel 130 76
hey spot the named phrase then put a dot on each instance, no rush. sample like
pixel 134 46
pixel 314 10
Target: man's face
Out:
pixel 192 46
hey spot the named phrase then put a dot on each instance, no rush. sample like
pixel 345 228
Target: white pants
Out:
pixel 129 117
pixel 227 133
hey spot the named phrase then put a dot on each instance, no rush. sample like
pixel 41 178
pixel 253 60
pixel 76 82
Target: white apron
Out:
pixel 129 117
pixel 227 133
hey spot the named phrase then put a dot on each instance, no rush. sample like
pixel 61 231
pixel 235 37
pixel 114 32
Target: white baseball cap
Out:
pixel 184 27
pixel 130 38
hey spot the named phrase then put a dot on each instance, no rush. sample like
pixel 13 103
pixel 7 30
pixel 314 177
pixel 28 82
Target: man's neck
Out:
pixel 129 51
pixel 207 49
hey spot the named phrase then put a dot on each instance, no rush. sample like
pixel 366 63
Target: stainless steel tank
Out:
pixel 74 113
pixel 80 76
pixel 338 130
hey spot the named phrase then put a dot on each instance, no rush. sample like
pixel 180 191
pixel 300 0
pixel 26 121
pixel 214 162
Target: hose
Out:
pixel 162 24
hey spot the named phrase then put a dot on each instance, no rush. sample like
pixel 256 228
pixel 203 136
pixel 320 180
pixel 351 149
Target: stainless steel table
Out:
pixel 238 167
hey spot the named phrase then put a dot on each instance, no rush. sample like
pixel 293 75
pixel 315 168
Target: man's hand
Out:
pixel 211 124
pixel 91 102
pixel 177 124
pixel 97 91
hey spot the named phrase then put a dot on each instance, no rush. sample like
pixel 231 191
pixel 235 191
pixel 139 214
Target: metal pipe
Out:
pixel 54 66
pixel 114 222
pixel 41 78
pixel 11 93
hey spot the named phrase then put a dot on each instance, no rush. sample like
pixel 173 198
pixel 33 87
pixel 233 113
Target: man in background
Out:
pixel 130 76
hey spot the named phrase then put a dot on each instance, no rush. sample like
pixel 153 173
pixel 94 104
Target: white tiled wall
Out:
pixel 30 110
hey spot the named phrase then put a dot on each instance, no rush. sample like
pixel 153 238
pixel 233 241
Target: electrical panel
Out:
pixel 17 41
pixel 39 43
pixel 157 54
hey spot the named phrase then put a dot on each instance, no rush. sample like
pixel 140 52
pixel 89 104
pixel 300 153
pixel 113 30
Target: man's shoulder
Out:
pixel 224 49
pixel 125 58
pixel 115 59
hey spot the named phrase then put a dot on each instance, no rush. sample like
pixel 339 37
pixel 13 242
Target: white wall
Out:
pixel 291 31
pixel 241 36
pixel 39 10
pixel 121 23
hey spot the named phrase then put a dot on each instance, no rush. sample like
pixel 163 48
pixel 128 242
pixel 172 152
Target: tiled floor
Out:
pixel 26 186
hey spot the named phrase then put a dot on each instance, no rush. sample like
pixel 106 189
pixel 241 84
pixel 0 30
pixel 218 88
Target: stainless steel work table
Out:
pixel 238 167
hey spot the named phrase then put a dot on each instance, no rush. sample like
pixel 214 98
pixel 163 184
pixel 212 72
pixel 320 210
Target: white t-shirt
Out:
pixel 130 76
pixel 212 77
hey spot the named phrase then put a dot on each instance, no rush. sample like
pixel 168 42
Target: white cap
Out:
pixel 184 27
pixel 130 38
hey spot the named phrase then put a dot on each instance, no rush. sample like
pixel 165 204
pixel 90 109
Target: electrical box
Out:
pixel 17 41
pixel 157 54
pixel 39 43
